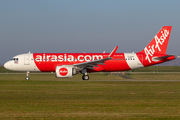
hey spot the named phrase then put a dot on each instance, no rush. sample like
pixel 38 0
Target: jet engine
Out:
pixel 65 71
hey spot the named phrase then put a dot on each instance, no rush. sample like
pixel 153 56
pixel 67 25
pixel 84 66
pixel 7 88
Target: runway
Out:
pixel 146 77
pixel 125 80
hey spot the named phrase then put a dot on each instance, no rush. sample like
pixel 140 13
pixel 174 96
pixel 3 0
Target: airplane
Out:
pixel 70 64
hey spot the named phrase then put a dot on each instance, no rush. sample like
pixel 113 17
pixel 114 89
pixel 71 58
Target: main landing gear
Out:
pixel 85 76
pixel 27 75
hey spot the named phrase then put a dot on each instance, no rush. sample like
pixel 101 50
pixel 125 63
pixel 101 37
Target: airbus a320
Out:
pixel 70 64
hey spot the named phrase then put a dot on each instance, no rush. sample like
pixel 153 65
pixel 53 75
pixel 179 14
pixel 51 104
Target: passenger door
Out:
pixel 27 59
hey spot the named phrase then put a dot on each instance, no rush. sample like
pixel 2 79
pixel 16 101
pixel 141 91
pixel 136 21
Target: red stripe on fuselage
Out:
pixel 47 62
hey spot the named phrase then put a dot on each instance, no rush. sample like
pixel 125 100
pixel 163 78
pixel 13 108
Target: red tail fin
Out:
pixel 159 43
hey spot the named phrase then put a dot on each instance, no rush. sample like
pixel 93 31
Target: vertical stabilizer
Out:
pixel 159 43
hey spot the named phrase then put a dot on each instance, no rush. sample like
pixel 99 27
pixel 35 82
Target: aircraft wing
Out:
pixel 91 64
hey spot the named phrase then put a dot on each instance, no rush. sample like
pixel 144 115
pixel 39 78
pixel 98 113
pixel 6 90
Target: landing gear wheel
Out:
pixel 27 78
pixel 27 75
pixel 85 77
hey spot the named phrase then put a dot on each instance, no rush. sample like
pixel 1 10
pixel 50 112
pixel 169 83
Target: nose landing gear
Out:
pixel 27 75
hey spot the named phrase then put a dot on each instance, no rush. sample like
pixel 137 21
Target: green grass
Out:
pixel 155 76
pixel 158 69
pixel 45 97
pixel 146 69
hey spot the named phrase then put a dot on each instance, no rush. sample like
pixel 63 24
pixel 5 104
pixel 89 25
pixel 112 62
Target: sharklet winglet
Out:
pixel 113 52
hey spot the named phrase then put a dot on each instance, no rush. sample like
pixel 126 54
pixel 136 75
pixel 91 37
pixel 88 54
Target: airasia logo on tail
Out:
pixel 156 46
pixel 63 71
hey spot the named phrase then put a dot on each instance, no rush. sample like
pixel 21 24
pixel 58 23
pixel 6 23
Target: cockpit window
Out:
pixel 15 60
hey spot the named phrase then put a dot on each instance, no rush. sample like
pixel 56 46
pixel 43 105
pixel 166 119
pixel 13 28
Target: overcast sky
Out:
pixel 85 25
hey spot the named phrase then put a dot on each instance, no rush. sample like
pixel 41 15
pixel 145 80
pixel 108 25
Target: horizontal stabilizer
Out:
pixel 161 58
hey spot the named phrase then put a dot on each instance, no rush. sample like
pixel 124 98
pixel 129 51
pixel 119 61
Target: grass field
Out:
pixel 158 69
pixel 146 69
pixel 45 97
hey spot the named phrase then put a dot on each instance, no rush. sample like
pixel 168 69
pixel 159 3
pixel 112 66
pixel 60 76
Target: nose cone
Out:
pixel 7 65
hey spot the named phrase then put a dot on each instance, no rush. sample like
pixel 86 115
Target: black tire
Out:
pixel 85 77
pixel 27 78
